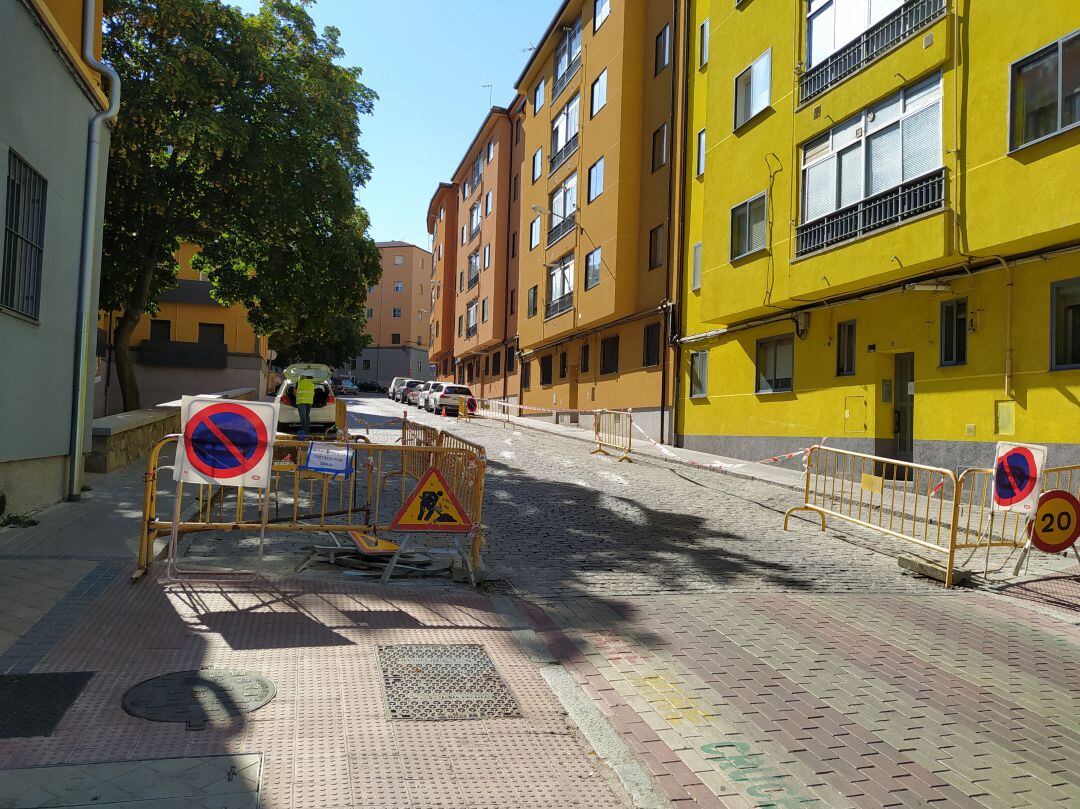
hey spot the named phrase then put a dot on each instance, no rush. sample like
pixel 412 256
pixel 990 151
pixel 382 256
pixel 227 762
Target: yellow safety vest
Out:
pixel 305 392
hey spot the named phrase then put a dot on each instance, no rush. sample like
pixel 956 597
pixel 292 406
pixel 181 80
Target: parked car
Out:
pixel 396 385
pixel 345 387
pixel 401 393
pixel 323 409
pixel 368 386
pixel 432 393
pixel 417 394
pixel 450 398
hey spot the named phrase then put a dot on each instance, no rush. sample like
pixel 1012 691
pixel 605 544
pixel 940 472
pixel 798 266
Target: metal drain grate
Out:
pixel 199 697
pixel 444 681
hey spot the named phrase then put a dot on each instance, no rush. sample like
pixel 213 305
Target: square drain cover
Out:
pixel 34 704
pixel 444 681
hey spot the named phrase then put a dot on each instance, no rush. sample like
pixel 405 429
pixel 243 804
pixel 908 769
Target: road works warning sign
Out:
pixel 432 506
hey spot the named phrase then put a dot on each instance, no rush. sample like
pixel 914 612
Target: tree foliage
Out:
pixel 239 133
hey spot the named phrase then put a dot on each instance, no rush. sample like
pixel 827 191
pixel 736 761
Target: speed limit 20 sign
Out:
pixel 1057 522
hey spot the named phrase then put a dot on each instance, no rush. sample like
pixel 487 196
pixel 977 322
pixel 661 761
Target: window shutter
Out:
pixel 820 185
pixel 851 180
pixel 695 279
pixel 922 141
pixel 757 224
pixel 883 163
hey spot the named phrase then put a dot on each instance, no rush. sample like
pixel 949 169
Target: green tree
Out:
pixel 239 133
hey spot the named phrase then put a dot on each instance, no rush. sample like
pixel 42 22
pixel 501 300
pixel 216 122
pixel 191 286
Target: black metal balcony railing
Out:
pixel 562 80
pixel 925 193
pixel 902 24
pixel 474 279
pixel 474 231
pixel 559 305
pixel 474 183
pixel 470 331
pixel 560 229
pixel 562 154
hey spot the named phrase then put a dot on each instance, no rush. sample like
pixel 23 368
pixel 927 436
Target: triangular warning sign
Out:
pixel 371 545
pixel 432 506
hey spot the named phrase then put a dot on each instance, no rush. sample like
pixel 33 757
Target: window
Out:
pixel 562 365
pixel 513 244
pixel 460 321
pixel 1065 324
pixel 490 151
pixel 560 286
pixel 752 89
pixel 703 43
pixel 512 297
pixel 395 339
pixel 538 96
pixel 659 148
pixel 474 269
pixel 567 57
pixel 598 94
pixel 954 332
pixel 845 348
pixel 592 268
pixel 701 153
pixel 775 360
pixel 526 375
pixel 24 238
pixel 514 187
pixel 538 164
pixel 470 318
pixel 463 234
pixel 534 233
pixel 1046 92
pixel 370 313
pixel 656 247
pixel 484 310
pixel 663 48
pixel 601 9
pixel 367 365
pixel 474 219
pixel 496 363
pixel 748 227
pixel 160 330
pixel 585 358
pixel 699 374
pixel 896 140
pixel 212 333
pixel 399 260
pixel 832 24
pixel 563 207
pixel 396 311
pixel 461 281
pixel 564 132
pixel 531 311
pixel 487 256
pixel 510 360
pixel 609 355
pixel 487 204
pixel 399 286
pixel 695 272
pixel 545 370
pixel 650 351
pixel 596 179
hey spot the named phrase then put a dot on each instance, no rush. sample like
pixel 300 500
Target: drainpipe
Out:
pixel 90 248
pixel 673 166
pixel 1008 324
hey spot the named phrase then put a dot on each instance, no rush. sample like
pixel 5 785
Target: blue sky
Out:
pixel 427 60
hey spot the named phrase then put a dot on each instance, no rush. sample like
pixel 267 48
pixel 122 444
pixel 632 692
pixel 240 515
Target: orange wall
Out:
pixel 442 224
pixel 413 273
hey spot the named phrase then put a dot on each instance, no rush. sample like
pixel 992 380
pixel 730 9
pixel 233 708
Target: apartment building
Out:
pixel 485 352
pixel 398 314
pixel 598 123
pixel 881 228
pixel 49 274
pixel 442 227
pixel 192 345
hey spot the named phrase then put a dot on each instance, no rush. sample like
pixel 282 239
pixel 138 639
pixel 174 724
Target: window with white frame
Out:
pixel 396 312
pixel 1046 92
pixel 832 24
pixel 601 10
pixel 474 218
pixel 592 268
pixel 487 256
pixel 470 314
pixel 703 43
pixel 695 272
pixel 775 363
pixel 568 51
pixel 564 200
pixel 699 374
pixel 596 180
pixel 565 125
pixel 487 204
pixel 538 164
pixel 700 152
pixel 538 96
pixel 752 93
pixel 894 141
pixel 484 310
pixel 534 233
pixel 598 94
pixel 399 286
pixel 663 49
pixel 748 227
pixel 490 151
pixel 399 260
pixel 560 281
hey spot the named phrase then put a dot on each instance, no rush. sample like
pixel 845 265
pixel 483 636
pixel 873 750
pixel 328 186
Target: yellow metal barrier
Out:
pixel 613 429
pixel 906 501
pixel 302 501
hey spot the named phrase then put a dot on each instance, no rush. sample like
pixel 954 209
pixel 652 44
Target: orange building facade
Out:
pixel 441 226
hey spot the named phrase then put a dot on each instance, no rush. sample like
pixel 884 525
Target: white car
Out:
pixel 431 394
pixel 449 397
pixel 323 409
pixel 417 394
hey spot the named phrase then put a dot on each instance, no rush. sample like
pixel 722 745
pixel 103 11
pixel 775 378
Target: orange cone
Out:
pixel 444 410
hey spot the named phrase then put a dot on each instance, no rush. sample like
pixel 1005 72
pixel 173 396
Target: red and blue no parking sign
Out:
pixel 1018 477
pixel 226 442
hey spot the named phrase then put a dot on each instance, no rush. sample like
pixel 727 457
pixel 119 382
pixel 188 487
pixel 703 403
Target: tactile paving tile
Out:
pixel 444 681
pixel 198 697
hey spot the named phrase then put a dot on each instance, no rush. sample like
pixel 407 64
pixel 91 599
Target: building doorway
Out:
pixel 904 407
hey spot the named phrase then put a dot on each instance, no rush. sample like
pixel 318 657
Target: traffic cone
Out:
pixel 444 411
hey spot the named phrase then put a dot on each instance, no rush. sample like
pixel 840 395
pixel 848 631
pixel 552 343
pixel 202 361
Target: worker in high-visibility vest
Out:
pixel 305 398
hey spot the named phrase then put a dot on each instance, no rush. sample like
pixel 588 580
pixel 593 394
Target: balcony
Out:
pixel 176 354
pixel 474 279
pixel 918 196
pixel 561 81
pixel 474 183
pixel 474 231
pixel 561 156
pixel 565 225
pixel 559 305
pixel 470 331
pixel 899 26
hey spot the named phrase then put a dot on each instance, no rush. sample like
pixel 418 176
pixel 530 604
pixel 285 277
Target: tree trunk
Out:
pixel 134 307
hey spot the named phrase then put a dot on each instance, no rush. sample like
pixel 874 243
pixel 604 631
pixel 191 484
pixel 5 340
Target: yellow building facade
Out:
pixel 595 228
pixel 880 235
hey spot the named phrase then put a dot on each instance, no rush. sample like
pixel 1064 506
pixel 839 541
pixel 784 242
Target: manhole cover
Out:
pixel 198 697
pixel 444 681
pixel 34 704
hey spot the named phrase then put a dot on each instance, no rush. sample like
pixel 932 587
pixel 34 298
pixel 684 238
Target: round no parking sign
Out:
pixel 226 442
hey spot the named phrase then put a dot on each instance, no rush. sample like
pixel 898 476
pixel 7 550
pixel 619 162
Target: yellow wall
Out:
pixel 996 202
pixel 64 20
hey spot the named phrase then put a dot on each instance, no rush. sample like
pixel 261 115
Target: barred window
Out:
pixel 24 238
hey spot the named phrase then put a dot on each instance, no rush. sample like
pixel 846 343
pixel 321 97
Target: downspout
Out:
pixel 1008 324
pixel 672 168
pixel 89 249
pixel 676 376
